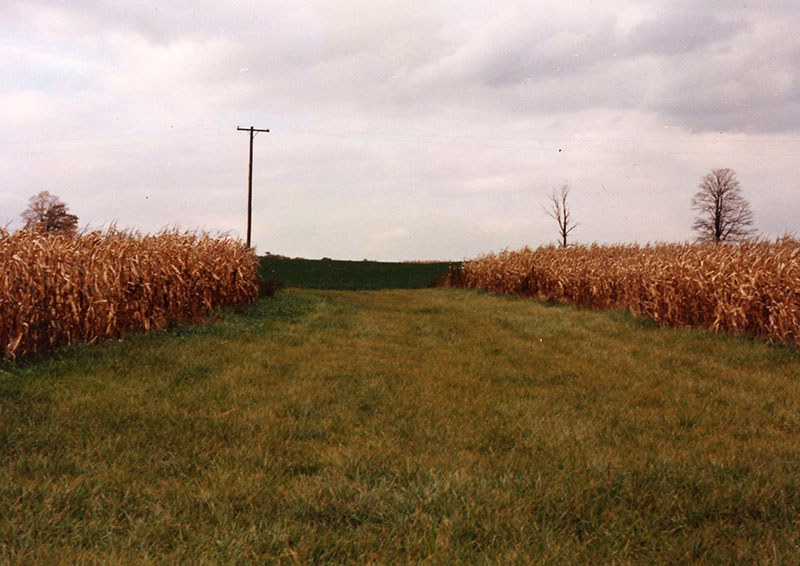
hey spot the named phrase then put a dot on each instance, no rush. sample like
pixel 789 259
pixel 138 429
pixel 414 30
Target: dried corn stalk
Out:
pixel 57 290
pixel 752 288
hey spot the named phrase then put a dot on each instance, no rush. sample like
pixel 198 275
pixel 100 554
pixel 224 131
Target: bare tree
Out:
pixel 559 210
pixel 48 213
pixel 723 213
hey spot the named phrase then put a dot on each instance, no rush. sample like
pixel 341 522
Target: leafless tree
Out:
pixel 48 213
pixel 723 213
pixel 559 210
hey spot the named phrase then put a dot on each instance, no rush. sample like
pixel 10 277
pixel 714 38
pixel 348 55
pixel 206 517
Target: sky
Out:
pixel 406 130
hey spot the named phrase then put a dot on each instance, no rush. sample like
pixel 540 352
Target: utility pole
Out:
pixel 253 133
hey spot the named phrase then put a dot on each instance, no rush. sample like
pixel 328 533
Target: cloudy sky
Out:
pixel 399 130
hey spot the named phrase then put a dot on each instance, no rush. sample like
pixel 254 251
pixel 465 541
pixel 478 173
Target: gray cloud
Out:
pixel 707 69
pixel 399 130
pixel 680 31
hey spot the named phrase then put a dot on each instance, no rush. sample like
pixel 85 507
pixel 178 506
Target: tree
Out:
pixel 560 212
pixel 723 213
pixel 48 213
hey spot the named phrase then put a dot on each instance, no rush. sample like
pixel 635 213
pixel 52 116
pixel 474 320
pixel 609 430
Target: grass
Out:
pixel 351 275
pixel 436 426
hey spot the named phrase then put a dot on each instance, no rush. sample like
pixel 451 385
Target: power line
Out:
pixel 562 145
pixel 97 142
pixel 589 144
pixel 424 136
pixel 95 138
pixel 524 138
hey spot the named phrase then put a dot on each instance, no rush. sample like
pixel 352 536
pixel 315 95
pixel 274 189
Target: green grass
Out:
pixel 437 426
pixel 351 275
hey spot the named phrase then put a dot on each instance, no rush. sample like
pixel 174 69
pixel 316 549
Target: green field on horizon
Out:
pixel 403 426
pixel 335 274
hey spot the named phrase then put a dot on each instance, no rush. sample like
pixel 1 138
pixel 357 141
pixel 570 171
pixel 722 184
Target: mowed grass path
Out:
pixel 436 426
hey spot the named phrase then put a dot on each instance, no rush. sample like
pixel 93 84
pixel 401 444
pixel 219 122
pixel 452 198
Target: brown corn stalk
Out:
pixel 751 288
pixel 57 290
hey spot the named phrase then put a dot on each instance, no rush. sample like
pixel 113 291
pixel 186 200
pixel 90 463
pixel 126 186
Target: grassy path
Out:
pixel 435 426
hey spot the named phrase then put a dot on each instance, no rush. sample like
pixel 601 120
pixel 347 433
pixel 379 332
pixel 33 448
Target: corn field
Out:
pixel 57 290
pixel 751 288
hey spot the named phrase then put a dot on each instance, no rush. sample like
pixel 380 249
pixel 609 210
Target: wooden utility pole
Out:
pixel 253 132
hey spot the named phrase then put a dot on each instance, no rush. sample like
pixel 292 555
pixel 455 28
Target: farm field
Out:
pixel 57 290
pixel 751 288
pixel 350 275
pixel 434 425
